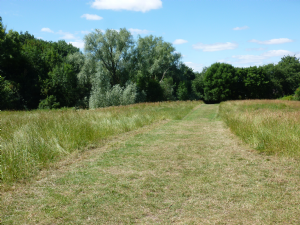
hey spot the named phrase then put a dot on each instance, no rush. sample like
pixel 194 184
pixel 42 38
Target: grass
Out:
pixel 270 126
pixel 33 140
pixel 188 171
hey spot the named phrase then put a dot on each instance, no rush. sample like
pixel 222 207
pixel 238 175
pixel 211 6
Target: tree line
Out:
pixel 118 70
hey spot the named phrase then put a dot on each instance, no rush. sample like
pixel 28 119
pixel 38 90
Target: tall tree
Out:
pixel 154 58
pixel 220 83
pixel 288 74
pixel 112 49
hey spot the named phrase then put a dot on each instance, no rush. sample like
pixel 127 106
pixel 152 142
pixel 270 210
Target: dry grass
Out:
pixel 189 171
pixel 271 126
pixel 33 140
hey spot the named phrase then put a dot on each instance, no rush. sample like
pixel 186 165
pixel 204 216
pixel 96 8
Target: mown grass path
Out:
pixel 190 171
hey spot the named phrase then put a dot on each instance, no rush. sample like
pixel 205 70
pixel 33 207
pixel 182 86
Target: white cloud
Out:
pixel 179 41
pixel 274 53
pixel 91 17
pixel 241 28
pixel 256 49
pixel 195 66
pixel 66 35
pixel 47 30
pixel 78 43
pixel 85 32
pixel 257 59
pixel 133 5
pixel 272 41
pixel 215 47
pixel 138 31
pixel 298 55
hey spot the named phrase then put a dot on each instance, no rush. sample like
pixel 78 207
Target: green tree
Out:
pixel 154 58
pixel 220 83
pixel 253 83
pixel 288 74
pixel 182 91
pixel 198 84
pixel 9 97
pixel 112 49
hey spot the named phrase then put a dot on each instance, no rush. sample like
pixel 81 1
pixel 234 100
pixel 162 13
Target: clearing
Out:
pixel 189 171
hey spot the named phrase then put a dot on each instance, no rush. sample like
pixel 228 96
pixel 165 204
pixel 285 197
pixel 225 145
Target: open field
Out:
pixel 33 140
pixel 270 126
pixel 189 171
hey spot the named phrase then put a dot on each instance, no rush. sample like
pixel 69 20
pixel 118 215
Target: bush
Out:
pixel 297 94
pixel 288 97
pixel 115 96
pixel 49 103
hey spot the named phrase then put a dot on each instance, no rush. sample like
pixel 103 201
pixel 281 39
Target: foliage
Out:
pixel 253 83
pixel 49 103
pixel 182 91
pixel 219 83
pixel 168 88
pixel 288 98
pixel 9 98
pixel 154 58
pixel 288 74
pixel 198 84
pixel 297 94
pixel 112 49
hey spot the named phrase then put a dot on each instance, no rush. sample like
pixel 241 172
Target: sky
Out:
pixel 239 32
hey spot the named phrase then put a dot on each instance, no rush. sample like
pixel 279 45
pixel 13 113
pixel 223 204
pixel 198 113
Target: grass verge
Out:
pixel 271 126
pixel 32 140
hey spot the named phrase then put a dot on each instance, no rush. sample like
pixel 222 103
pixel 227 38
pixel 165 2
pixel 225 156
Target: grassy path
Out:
pixel 190 171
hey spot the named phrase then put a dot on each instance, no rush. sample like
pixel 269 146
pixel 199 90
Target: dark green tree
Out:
pixel 220 83
pixel 288 74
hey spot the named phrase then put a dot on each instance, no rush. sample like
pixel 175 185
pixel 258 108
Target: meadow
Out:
pixel 33 140
pixel 270 126
pixel 189 170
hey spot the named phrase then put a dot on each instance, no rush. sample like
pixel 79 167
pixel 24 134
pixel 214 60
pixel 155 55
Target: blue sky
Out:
pixel 240 32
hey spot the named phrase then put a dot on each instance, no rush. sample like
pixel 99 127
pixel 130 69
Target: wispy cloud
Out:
pixel 248 60
pixel 241 28
pixel 66 35
pixel 272 41
pixel 133 5
pixel 256 49
pixel 195 66
pixel 85 32
pixel 138 31
pixel 91 17
pixel 78 43
pixel 179 41
pixel 215 47
pixel 45 29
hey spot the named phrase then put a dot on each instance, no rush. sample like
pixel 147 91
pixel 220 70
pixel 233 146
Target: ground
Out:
pixel 189 171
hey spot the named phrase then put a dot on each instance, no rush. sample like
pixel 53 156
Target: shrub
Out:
pixel 49 103
pixel 297 94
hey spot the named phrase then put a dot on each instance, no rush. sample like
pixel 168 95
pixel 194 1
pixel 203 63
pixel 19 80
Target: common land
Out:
pixel 191 170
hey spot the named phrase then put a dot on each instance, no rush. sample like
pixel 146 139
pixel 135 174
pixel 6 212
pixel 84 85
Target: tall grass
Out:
pixel 32 140
pixel 271 126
